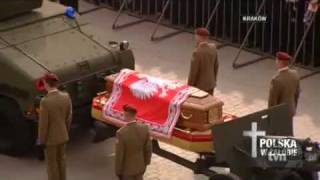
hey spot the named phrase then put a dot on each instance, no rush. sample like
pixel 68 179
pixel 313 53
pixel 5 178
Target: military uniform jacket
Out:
pixel 204 67
pixel 55 118
pixel 133 149
pixel 285 89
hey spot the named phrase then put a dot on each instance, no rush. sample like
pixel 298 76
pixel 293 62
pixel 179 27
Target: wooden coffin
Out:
pixel 185 138
pixel 199 112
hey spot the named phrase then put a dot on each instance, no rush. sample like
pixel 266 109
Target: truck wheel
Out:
pixel 228 176
pixel 15 131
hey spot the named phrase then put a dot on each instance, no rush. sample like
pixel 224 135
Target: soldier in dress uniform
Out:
pixel 204 63
pixel 285 86
pixel 54 124
pixel 133 147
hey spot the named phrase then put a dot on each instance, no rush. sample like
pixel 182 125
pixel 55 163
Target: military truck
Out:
pixel 37 37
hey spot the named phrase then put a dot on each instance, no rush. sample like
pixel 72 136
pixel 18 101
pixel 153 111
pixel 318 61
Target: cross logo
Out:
pixel 253 133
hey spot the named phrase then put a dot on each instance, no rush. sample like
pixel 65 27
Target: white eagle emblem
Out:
pixel 147 87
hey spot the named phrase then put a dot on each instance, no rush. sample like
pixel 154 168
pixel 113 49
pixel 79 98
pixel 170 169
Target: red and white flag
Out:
pixel 158 101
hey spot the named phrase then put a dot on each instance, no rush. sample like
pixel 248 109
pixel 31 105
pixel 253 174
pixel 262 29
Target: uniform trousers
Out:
pixel 56 162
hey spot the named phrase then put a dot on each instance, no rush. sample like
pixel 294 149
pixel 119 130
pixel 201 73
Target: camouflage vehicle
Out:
pixel 37 37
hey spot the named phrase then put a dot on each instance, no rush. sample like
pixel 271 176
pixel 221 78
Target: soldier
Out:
pixel 54 124
pixel 285 86
pixel 133 147
pixel 204 63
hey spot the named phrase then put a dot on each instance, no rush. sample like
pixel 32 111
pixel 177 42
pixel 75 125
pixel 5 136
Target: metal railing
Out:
pixel 173 13
pixel 284 29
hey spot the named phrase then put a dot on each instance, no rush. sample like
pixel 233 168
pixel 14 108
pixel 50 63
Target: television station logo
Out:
pixel 254 18
pixel 273 148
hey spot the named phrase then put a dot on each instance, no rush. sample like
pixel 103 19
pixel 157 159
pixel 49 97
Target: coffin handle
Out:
pixel 185 116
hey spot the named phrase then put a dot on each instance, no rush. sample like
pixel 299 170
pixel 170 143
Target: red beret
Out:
pixel 202 32
pixel 46 77
pixel 283 56
pixel 50 77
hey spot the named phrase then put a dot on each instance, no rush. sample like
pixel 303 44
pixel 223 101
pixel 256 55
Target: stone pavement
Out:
pixel 243 91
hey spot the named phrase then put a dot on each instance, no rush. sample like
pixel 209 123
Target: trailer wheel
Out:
pixel 228 176
pixel 15 131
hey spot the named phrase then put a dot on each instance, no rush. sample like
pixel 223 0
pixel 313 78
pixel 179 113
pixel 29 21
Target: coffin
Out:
pixel 199 112
pixel 185 138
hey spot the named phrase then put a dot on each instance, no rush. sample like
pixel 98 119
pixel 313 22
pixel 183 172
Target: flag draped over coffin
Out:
pixel 158 101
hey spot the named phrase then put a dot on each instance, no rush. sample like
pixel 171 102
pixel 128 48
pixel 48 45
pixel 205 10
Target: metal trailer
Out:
pixel 232 150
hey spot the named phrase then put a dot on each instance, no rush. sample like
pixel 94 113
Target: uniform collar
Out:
pixel 203 44
pixel 283 69
pixel 53 91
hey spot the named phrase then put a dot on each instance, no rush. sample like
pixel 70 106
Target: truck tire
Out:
pixel 227 176
pixel 15 131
